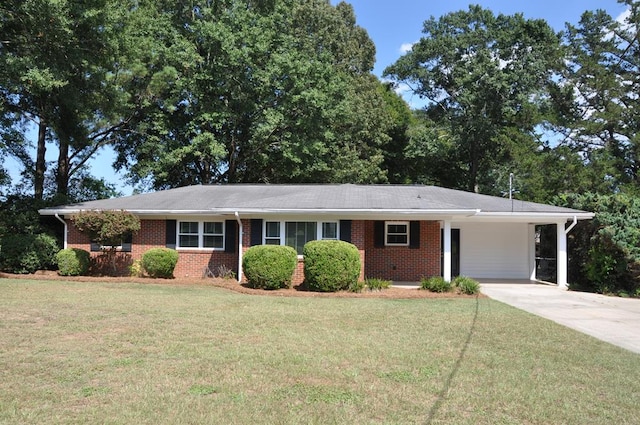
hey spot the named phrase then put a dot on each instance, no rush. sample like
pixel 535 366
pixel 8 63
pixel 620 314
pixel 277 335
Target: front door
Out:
pixel 455 252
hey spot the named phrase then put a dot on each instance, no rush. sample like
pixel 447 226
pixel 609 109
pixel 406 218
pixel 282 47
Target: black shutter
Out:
pixel 345 230
pixel 256 231
pixel 378 234
pixel 171 234
pixel 414 234
pixel 230 236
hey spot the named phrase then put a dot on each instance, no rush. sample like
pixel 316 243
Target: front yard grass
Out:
pixel 77 353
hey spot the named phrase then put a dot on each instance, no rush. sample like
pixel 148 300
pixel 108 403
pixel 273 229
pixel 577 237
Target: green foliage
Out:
pixel 136 269
pixel 279 93
pixel 604 53
pixel 466 285
pixel 436 284
pixel 73 262
pixel 64 79
pixel 356 286
pixel 330 266
pixel 27 253
pixel 485 76
pixel 604 253
pixel 107 228
pixel 270 266
pixel 375 284
pixel 160 262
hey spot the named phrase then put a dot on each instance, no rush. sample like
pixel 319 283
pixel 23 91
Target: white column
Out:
pixel 446 263
pixel 532 252
pixel 561 257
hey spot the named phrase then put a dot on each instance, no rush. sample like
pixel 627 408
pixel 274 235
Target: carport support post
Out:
pixel 446 258
pixel 561 258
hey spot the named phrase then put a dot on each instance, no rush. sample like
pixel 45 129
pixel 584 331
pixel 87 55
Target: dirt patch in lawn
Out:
pixel 233 285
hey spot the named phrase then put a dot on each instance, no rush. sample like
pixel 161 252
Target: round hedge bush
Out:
pixel 160 262
pixel 330 266
pixel 27 253
pixel 73 262
pixel 270 266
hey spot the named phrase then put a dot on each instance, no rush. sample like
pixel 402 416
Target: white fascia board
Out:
pixel 533 217
pixel 274 211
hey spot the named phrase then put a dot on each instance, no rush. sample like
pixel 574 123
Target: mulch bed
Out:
pixel 233 285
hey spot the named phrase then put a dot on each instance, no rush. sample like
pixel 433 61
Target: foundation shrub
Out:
pixel 330 266
pixel 436 284
pixel 160 262
pixel 24 254
pixel 73 262
pixel 466 285
pixel 357 286
pixel 375 284
pixel 269 266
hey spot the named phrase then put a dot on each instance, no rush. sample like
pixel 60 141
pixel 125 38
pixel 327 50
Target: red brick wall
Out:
pixel 400 263
pixel 152 234
pixel 394 263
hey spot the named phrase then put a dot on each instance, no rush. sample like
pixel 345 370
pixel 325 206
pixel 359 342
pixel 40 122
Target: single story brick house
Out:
pixel 403 232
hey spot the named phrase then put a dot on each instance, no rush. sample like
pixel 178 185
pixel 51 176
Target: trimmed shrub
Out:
pixel 375 284
pixel 160 262
pixel 466 285
pixel 270 266
pixel 330 266
pixel 436 284
pixel 27 253
pixel 73 262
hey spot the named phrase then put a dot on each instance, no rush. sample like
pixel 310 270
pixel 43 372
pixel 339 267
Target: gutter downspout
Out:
pixel 240 234
pixel 64 245
pixel 572 225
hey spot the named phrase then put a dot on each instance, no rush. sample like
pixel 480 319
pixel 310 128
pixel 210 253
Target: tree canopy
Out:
pixel 267 92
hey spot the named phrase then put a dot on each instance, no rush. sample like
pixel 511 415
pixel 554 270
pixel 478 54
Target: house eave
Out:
pixel 348 213
pixel 531 217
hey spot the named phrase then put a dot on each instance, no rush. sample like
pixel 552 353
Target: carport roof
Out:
pixel 345 199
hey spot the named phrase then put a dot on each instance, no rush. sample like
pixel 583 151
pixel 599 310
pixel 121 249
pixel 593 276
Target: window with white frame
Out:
pixel 396 233
pixel 297 233
pixel 201 234
pixel 124 245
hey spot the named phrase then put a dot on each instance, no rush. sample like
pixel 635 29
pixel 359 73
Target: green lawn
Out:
pixel 147 354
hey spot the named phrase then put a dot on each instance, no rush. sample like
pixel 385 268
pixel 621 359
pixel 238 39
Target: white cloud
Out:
pixel 406 47
pixel 623 18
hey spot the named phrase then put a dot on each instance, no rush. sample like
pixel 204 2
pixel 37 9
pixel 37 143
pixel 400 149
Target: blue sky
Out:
pixel 393 25
pixel 397 23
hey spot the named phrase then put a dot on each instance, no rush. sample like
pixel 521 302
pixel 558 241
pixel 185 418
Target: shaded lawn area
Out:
pixel 73 352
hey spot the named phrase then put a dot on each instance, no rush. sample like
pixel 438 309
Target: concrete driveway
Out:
pixel 611 319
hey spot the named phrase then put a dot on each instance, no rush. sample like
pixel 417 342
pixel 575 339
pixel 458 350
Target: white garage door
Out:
pixel 492 250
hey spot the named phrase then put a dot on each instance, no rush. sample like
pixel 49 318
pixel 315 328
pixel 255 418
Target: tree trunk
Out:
pixel 41 164
pixel 62 177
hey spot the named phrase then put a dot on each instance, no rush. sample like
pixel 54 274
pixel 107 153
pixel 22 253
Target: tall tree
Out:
pixel 260 92
pixel 485 77
pixel 59 73
pixel 602 117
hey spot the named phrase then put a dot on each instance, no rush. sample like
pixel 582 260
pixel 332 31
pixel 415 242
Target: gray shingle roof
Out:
pixel 314 197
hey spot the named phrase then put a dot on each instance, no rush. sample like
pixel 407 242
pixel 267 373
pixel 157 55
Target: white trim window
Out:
pixel 201 234
pixel 297 233
pixel 396 233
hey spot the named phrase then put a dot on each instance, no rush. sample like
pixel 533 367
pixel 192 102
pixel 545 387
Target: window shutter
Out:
pixel 171 234
pixel 230 236
pixel 414 234
pixel 256 231
pixel 378 234
pixel 345 230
